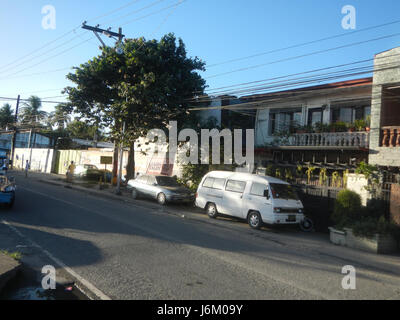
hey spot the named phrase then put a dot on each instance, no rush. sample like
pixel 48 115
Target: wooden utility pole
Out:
pixel 119 37
pixel 14 135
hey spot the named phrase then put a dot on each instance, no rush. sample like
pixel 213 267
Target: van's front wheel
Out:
pixel 212 210
pixel 254 220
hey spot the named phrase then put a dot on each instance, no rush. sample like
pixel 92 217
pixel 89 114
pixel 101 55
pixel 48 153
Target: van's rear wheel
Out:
pixel 254 220
pixel 212 210
pixel 134 193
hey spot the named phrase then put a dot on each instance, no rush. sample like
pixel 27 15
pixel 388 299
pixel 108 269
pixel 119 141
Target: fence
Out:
pixel 319 200
pixel 318 203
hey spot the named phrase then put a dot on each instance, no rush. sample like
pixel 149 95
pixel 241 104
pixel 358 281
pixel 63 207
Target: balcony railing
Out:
pixel 330 139
pixel 390 136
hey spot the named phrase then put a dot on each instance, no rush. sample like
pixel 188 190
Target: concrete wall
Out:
pixel 384 156
pixel 357 183
pixel 40 160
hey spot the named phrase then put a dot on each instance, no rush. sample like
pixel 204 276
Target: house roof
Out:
pixel 334 85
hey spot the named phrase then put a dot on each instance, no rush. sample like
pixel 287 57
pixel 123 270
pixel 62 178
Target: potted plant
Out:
pixel 351 127
pixel 362 227
pixel 301 129
pixel 341 126
pixel 368 126
pixel 346 208
pixel 360 124
pixel 376 235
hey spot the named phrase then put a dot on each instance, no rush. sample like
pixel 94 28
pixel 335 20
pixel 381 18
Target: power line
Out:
pixel 268 80
pixel 300 73
pixel 39 55
pixel 115 10
pixel 272 99
pixel 305 43
pixel 154 12
pixel 304 55
pixel 7 66
pixel 133 12
pixel 47 59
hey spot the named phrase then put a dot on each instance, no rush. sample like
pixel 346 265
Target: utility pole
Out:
pixel 14 135
pixel 96 30
pixel 119 37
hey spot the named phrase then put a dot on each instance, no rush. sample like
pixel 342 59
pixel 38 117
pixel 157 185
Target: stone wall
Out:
pixel 384 156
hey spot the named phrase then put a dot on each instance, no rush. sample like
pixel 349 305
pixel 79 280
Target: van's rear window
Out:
pixel 208 182
pixel 214 183
pixel 283 191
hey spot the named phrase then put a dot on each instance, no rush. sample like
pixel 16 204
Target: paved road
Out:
pixel 140 252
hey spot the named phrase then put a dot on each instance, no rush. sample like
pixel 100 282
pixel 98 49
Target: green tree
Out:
pixel 60 117
pixel 6 115
pixel 31 112
pixel 148 85
pixel 81 130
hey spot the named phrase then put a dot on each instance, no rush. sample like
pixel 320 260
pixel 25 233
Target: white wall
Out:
pixel 40 160
pixel 358 183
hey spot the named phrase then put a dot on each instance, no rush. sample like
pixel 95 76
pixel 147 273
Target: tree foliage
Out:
pixel 6 115
pixel 31 111
pixel 148 85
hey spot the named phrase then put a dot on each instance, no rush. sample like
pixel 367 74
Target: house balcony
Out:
pixel 329 140
pixel 390 136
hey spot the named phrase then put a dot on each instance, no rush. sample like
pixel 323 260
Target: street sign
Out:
pixel 106 160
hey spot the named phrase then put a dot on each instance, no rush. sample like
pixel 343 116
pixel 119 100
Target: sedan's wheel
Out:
pixel 161 199
pixel 254 220
pixel 134 194
pixel 212 210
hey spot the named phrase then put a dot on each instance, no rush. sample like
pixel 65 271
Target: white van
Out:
pixel 258 199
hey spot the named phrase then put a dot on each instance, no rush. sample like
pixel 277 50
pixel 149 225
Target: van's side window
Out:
pixel 235 186
pixel 208 183
pixel 219 184
pixel 257 189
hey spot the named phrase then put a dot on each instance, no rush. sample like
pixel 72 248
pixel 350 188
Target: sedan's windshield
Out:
pixel 167 182
pixel 283 191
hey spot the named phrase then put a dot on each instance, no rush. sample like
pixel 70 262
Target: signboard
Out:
pixel 106 160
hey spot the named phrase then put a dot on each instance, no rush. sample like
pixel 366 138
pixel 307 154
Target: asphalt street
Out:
pixel 135 251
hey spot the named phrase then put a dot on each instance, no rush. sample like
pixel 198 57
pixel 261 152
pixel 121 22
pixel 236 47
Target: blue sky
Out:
pixel 213 30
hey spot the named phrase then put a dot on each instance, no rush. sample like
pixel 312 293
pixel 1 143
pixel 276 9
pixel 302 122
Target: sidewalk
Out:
pixel 8 269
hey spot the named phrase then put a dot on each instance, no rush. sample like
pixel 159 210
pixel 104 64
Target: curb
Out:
pixel 122 198
pixel 11 272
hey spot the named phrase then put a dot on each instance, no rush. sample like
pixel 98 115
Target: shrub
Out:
pixel 370 226
pixel 347 207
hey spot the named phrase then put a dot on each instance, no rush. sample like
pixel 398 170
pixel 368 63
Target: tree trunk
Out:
pixel 115 165
pixel 130 169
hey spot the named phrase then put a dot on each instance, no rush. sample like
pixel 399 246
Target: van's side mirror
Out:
pixel 266 194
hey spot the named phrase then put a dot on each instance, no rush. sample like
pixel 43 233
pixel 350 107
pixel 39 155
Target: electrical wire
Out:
pixel 304 55
pixel 305 43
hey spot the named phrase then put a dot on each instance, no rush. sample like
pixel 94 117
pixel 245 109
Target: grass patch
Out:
pixel 15 255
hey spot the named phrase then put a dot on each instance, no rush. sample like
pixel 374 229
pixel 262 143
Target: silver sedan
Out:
pixel 161 188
